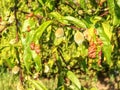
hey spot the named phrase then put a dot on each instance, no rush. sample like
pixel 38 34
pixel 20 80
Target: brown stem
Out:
pixel 71 26
pixel 16 20
pixel 104 14
pixel 61 56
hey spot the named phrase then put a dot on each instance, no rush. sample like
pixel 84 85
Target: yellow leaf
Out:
pixel 78 37
pixel 108 29
pixel 59 32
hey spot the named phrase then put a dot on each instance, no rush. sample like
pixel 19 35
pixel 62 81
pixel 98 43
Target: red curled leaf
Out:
pixel 99 42
pixel 28 28
pixel 99 57
pixel 92 50
pixel 32 46
pixel 37 49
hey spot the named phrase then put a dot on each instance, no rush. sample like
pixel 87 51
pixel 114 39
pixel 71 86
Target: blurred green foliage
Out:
pixel 60 38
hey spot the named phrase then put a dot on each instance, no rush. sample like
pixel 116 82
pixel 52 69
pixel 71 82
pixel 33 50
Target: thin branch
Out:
pixel 16 20
pixel 71 26
pixel 105 13
pixel 61 56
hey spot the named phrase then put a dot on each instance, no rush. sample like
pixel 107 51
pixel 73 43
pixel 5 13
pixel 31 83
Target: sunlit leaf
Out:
pixel 74 79
pixel 118 3
pixel 75 21
pixel 37 60
pixel 107 50
pixel 58 41
pixel 38 84
pixel 107 47
pixel 94 88
pixel 58 17
pixel 27 57
pixel 108 29
pixel 40 30
pixel 82 4
pixel 114 10
pixel 28 23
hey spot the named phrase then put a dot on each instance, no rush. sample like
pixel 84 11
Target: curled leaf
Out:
pixel 15 69
pixel 92 50
pixel 59 32
pixel 78 37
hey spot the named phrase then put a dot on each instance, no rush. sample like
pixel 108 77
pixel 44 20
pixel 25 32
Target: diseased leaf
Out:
pixel 28 23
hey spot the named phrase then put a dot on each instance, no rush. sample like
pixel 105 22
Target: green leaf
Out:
pixel 83 4
pixel 75 21
pixel 27 57
pixel 94 88
pixel 50 4
pixel 74 79
pixel 58 41
pixel 37 60
pixel 41 2
pixel 114 11
pixel 38 84
pixel 9 62
pixel 108 29
pixel 40 30
pixel 103 35
pixel 118 3
pixel 60 79
pixel 73 87
pixel 107 47
pixel 58 17
pixel 107 50
pixel 28 22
